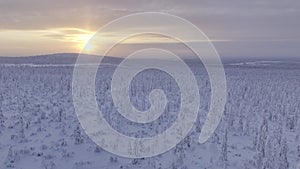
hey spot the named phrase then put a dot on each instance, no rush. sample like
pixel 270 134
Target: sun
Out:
pixel 83 40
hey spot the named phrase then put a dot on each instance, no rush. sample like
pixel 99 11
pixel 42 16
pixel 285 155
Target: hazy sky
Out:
pixel 240 28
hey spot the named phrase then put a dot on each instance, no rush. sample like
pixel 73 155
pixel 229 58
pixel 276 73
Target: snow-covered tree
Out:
pixel 78 136
pixel 224 157
pixel 2 120
pixel 60 112
pixel 179 153
pixel 283 161
pixel 12 157
pixel 262 137
pixel 21 124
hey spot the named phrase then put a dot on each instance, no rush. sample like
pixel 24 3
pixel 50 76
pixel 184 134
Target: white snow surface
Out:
pixel 39 128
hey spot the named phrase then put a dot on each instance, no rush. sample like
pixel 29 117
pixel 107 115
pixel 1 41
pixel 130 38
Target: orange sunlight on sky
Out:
pixel 32 42
pixel 240 29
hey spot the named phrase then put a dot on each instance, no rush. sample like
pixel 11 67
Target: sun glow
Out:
pixel 83 40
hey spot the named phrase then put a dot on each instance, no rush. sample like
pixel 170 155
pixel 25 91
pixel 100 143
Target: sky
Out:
pixel 237 28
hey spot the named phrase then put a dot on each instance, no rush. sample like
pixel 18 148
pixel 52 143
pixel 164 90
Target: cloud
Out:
pixel 231 20
pixel 232 17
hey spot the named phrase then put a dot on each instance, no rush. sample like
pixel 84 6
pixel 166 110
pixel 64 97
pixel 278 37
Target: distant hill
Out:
pixel 59 58
pixel 70 59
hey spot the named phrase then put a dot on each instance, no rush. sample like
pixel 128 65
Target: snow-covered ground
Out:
pixel 39 128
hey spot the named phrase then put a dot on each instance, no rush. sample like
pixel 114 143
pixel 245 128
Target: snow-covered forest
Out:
pixel 39 128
